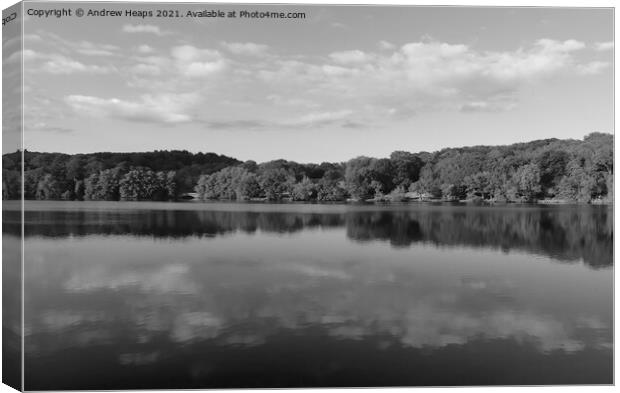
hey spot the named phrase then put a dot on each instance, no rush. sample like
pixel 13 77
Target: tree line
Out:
pixel 158 175
pixel 570 170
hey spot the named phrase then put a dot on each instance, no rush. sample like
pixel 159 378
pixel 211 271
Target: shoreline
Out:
pixel 380 202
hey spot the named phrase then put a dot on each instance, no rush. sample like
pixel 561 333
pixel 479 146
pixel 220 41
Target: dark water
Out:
pixel 146 295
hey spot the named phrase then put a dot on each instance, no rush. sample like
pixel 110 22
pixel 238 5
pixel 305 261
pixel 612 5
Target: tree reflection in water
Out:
pixel 564 233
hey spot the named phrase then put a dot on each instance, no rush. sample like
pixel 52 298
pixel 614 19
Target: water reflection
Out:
pixel 563 233
pixel 339 298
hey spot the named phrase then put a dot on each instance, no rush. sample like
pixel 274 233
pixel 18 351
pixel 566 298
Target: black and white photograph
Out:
pixel 242 196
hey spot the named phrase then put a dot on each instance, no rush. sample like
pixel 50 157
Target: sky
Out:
pixel 343 82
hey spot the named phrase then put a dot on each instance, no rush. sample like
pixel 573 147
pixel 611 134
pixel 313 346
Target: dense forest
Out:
pixel 550 169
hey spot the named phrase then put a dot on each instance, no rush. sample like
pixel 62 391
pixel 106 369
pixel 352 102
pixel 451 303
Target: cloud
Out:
pixel 238 125
pixel 92 49
pixel 149 29
pixel 350 57
pixel 246 48
pixel 604 46
pixel 145 49
pixel 187 53
pixel 592 68
pixel 346 88
pixel 17 56
pixel 146 69
pixel 195 62
pixel 161 108
pixel 486 106
pixel 560 46
pixel 82 47
pixel 62 65
pixel 58 64
pixel 321 118
pixel 199 69
pixel 44 127
pixel 332 70
pixel 32 38
pixel 309 120
pixel 430 75
pixel 291 101
pixel 385 45
pixel 352 88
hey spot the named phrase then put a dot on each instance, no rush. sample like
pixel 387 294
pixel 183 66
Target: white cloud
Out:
pixel 291 101
pixel 60 65
pixel 433 50
pixel 95 52
pixel 150 29
pixel 196 62
pixel 592 68
pixel 187 53
pixel 316 119
pixel 92 49
pixel 200 69
pixel 385 45
pixel 145 49
pixel 83 47
pixel 604 46
pixel 26 54
pixel 146 69
pixel 350 57
pixel 338 89
pixel 368 86
pixel 486 106
pixel 32 38
pixel 332 70
pixel 560 46
pixel 429 75
pixel 45 127
pixel 245 48
pixel 161 108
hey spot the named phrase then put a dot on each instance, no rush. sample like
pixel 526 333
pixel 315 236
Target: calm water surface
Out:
pixel 187 295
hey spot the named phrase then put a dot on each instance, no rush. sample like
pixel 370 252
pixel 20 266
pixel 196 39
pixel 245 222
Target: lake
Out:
pixel 212 295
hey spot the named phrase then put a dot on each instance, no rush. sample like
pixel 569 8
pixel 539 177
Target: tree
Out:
pixel 527 179
pixel 358 176
pixel 568 169
pixel 248 186
pixel 452 192
pixel 103 186
pixel 305 190
pixel 229 183
pixel 141 184
pixel 382 173
pixel 276 183
pixel 31 182
pixel 478 184
pixel 406 168
pixel 428 183
pixel 552 166
pixel 75 167
pixel 331 187
pixel 48 188
pixel 171 186
pixel 11 181
pixel 79 190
